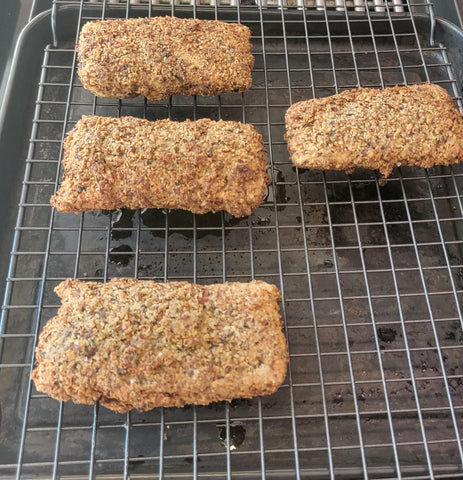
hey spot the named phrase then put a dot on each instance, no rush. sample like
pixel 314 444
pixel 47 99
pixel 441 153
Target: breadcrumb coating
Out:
pixel 161 56
pixel 201 166
pixel 376 129
pixel 140 344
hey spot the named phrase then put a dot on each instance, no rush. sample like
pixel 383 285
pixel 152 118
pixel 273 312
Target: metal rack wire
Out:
pixel 371 274
pixel 397 6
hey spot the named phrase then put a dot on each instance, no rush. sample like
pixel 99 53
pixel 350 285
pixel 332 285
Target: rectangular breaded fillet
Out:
pixel 161 56
pixel 201 166
pixel 140 344
pixel 376 129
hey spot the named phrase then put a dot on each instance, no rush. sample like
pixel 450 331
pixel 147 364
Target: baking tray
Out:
pixel 371 272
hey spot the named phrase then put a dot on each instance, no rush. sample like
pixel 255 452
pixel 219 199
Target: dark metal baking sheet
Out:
pixel 371 273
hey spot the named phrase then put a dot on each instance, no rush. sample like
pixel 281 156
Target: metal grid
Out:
pixel 371 275
pixel 397 6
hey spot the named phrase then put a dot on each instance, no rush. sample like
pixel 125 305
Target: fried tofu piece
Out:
pixel 140 344
pixel 161 56
pixel 376 129
pixel 201 166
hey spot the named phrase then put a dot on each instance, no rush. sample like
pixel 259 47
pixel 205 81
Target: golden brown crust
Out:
pixel 158 57
pixel 376 129
pixel 202 166
pixel 140 344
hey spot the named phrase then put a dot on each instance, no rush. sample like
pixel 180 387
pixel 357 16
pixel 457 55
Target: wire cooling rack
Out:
pixel 371 273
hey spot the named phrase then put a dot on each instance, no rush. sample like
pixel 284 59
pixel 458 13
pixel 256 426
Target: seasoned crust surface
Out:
pixel 376 129
pixel 140 344
pixel 161 56
pixel 201 166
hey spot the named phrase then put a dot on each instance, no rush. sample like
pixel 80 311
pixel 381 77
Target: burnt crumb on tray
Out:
pixel 376 129
pixel 140 344
pixel 201 166
pixel 162 56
